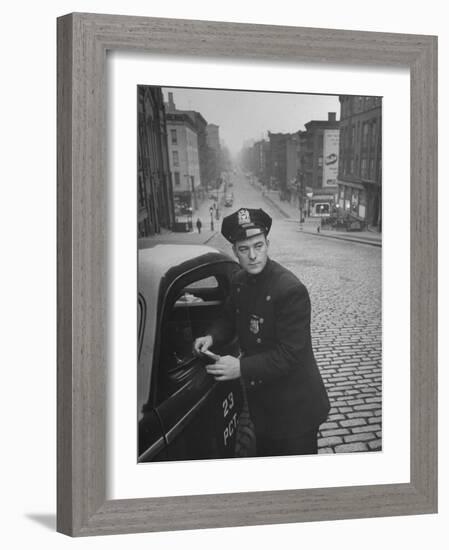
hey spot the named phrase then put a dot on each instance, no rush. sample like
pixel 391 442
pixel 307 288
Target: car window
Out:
pixel 207 282
pixel 191 307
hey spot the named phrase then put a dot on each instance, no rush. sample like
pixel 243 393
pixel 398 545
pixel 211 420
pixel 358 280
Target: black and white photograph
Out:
pixel 259 273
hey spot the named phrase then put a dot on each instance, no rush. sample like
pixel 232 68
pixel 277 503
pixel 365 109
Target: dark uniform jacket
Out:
pixel 271 312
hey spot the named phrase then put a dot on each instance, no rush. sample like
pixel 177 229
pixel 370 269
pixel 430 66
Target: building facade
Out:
pixel 360 168
pixel 319 150
pixel 155 193
pixel 208 172
pixel 213 137
pixel 283 162
pixel 214 152
pixel 260 159
pixel 184 161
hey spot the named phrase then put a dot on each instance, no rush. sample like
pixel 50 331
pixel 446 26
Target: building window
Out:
pixel 177 178
pixel 373 134
pixel 365 131
pixel 174 137
pixel 364 168
pixel 141 191
pixel 371 169
pixel 175 158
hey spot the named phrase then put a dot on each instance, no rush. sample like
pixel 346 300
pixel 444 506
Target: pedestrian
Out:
pixel 198 225
pixel 269 308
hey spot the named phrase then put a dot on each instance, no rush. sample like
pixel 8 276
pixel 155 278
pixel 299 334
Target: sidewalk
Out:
pixel 311 225
pixel 193 237
pixel 170 237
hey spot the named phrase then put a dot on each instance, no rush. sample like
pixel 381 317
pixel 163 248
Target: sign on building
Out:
pixel 331 141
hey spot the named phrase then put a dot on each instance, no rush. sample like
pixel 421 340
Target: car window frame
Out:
pixel 178 282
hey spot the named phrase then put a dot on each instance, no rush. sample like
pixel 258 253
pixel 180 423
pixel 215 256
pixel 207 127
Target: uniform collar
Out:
pixel 262 276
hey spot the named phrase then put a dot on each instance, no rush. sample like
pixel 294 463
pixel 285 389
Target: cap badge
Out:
pixel 244 216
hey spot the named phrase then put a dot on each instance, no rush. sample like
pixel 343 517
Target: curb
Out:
pixel 350 239
pixel 267 199
pixel 210 237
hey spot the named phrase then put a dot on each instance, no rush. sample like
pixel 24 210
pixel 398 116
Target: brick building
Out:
pixel 283 162
pixel 206 156
pixel 319 160
pixel 260 155
pixel 360 168
pixel 184 161
pixel 155 195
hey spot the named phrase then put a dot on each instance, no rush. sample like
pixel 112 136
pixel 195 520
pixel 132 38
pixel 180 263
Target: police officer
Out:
pixel 269 308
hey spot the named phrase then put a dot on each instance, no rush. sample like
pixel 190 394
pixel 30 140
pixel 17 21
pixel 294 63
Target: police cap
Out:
pixel 245 223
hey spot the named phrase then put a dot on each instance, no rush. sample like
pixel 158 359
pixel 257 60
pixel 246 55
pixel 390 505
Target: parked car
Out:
pixel 183 413
pixel 229 200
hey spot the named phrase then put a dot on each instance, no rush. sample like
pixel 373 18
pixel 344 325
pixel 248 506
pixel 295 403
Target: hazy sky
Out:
pixel 249 115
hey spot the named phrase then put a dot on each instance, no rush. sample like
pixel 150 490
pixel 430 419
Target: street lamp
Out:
pixel 211 211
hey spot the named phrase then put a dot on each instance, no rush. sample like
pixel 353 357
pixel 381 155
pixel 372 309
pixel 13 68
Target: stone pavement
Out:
pixel 344 283
pixel 354 383
pixel 346 331
pixel 346 319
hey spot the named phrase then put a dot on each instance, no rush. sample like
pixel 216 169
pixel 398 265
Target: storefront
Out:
pixel 322 204
pixel 352 200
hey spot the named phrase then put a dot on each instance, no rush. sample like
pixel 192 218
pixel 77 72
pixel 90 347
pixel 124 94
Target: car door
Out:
pixel 198 416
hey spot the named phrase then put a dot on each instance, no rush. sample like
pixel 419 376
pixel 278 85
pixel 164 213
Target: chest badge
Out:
pixel 254 323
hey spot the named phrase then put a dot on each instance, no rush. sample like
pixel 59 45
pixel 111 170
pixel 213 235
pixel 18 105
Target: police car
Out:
pixel 183 413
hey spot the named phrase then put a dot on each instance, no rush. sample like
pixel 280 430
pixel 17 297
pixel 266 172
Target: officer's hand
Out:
pixel 203 343
pixel 226 368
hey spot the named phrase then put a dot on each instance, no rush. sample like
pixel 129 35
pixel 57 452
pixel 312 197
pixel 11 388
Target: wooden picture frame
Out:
pixel 83 40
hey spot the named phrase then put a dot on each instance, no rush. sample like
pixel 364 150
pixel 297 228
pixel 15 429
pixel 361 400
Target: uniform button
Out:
pixel 258 340
pixel 252 383
pixel 238 289
pixel 260 381
pixel 237 310
pixel 268 298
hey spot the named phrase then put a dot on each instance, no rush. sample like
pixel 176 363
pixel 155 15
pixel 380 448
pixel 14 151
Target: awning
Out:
pixel 323 197
pixel 351 184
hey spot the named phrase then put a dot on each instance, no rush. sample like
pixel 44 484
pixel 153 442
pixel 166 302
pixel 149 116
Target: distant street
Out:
pixel 344 282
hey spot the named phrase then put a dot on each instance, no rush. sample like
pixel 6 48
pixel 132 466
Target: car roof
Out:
pixel 156 261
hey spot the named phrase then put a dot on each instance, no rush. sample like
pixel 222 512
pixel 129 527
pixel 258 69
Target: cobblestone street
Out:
pixel 343 280
pixel 344 283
